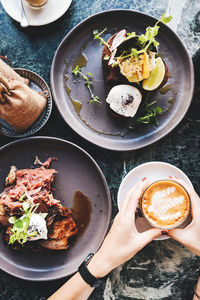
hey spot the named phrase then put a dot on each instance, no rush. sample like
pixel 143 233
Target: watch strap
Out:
pixel 87 276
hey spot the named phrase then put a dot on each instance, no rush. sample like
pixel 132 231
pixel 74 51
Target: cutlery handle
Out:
pixel 24 21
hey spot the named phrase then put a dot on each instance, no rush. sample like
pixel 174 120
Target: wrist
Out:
pixel 198 286
pixel 98 266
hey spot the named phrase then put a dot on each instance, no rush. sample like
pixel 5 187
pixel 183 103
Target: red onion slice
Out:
pixel 111 60
pixel 118 39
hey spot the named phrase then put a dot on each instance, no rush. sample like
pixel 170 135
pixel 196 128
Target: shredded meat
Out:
pixel 35 186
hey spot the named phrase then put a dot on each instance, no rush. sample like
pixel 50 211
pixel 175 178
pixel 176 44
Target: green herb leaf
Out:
pixel 135 52
pixel 150 114
pixel 20 225
pixel 88 83
pixel 106 57
pixel 165 18
pixel 22 197
pixel 130 35
pixel 76 71
pixel 97 36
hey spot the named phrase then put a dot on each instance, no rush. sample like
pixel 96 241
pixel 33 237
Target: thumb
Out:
pixel 151 234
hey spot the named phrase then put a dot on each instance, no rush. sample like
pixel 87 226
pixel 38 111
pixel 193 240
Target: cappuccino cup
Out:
pixel 165 204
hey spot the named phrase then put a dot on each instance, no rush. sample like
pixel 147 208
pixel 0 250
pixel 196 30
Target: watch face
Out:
pixel 88 258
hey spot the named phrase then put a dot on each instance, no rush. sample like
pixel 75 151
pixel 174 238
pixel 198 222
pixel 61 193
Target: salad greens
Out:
pixel 97 36
pixel 20 225
pixel 150 114
pixel 144 40
pixel 87 83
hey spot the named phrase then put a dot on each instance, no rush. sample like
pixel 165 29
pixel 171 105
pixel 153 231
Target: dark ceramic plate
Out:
pixel 76 171
pixel 94 123
pixel 38 84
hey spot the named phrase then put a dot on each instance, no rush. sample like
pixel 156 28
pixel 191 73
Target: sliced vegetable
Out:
pixel 118 39
pixel 156 77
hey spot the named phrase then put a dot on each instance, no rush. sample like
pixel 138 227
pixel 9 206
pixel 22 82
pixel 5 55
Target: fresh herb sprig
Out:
pixel 97 36
pixel 20 225
pixel 144 40
pixel 87 83
pixel 150 114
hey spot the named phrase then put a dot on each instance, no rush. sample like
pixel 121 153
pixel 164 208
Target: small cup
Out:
pixel 36 3
pixel 165 204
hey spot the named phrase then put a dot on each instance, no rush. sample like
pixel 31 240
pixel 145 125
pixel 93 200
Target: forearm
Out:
pixel 76 288
pixel 197 290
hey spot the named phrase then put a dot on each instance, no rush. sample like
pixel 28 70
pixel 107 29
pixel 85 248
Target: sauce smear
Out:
pixel 81 210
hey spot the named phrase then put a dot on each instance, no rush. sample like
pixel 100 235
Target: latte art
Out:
pixel 165 204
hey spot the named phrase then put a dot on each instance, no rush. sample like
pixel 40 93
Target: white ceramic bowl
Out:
pixel 154 170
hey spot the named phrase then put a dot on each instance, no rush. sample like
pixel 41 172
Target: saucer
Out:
pixel 52 11
pixel 154 171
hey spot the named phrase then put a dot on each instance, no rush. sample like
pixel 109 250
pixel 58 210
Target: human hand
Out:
pixel 190 235
pixel 123 240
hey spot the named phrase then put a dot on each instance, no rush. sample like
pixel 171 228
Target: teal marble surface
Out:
pixel 163 269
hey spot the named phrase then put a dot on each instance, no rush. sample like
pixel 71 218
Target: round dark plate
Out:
pixel 76 171
pixel 38 84
pixel 94 123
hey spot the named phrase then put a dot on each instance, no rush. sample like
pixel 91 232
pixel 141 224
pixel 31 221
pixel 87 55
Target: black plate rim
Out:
pixel 109 212
pixel 132 147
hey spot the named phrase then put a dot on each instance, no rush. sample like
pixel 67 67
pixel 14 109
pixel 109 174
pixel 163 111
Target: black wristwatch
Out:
pixel 87 276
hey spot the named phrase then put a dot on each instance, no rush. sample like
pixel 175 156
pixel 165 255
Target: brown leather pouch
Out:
pixel 20 106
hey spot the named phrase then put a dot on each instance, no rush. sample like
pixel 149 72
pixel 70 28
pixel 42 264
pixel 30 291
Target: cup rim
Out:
pixel 168 227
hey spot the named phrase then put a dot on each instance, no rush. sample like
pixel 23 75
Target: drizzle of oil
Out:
pixel 165 89
pixel 101 131
pixel 77 104
pixel 81 210
pixel 81 61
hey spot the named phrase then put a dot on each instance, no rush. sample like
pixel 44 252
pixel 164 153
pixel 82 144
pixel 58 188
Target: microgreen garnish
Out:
pixel 20 225
pixel 97 36
pixel 106 57
pixel 87 83
pixel 144 40
pixel 22 197
pixel 151 113
pixel 130 35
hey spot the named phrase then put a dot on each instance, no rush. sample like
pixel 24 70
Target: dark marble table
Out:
pixel 163 269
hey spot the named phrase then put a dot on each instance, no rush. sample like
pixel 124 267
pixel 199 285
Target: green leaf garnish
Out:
pixel 97 36
pixel 145 40
pixel 165 18
pixel 106 57
pixel 20 225
pixel 130 35
pixel 135 52
pixel 87 83
pixel 22 197
pixel 151 114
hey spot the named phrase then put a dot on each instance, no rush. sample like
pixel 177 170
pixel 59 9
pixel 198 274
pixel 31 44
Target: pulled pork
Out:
pixel 35 185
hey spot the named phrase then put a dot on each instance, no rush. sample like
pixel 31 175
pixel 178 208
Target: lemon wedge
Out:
pixel 156 77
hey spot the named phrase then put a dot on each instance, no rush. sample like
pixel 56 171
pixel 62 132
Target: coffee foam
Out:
pixel 165 204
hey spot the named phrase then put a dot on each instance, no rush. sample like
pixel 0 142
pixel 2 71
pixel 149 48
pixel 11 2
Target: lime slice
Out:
pixel 156 77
